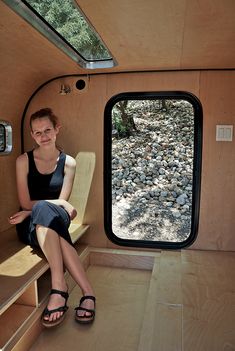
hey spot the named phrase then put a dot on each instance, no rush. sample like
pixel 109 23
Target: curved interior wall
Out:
pixel 82 112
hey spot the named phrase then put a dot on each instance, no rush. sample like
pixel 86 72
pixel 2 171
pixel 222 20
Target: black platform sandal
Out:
pixel 46 312
pixel 85 319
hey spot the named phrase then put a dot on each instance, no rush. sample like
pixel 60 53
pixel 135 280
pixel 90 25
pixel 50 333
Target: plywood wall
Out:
pixel 27 60
pixel 217 223
pixel 82 115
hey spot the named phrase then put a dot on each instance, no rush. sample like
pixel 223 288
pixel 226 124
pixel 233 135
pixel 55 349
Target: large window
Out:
pixel 152 146
pixel 62 22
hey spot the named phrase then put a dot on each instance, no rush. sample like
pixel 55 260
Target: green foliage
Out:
pixel 123 120
pixel 124 113
pixel 65 18
pixel 119 128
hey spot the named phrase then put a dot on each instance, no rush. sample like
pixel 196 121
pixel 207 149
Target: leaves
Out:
pixel 66 19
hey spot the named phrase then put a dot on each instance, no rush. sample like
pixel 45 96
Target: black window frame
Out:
pixel 6 137
pixel 197 166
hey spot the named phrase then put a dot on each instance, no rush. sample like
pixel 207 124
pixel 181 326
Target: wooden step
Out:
pixel 162 323
pixel 191 303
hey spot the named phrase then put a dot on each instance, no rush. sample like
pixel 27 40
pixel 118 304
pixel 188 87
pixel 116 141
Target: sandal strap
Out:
pixel 64 294
pixel 63 308
pixel 59 309
pixel 92 313
pixel 87 297
pixel 84 309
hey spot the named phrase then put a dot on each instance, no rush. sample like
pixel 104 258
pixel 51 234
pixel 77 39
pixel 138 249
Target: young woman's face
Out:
pixel 43 131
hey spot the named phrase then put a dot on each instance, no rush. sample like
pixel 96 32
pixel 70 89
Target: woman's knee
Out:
pixel 39 206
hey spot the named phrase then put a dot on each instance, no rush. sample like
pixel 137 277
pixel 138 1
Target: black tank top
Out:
pixel 45 186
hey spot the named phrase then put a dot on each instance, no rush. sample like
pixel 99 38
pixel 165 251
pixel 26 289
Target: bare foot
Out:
pixel 86 316
pixel 55 301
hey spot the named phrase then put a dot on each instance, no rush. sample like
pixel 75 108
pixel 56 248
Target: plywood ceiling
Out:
pixel 141 35
pixel 166 34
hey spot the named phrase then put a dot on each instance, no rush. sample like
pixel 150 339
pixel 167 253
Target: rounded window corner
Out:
pixel 5 137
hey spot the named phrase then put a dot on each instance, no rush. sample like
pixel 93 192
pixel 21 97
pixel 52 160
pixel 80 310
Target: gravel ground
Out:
pixel 152 177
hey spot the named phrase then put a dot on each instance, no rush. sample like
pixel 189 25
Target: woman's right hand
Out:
pixel 18 217
pixel 66 205
pixel 70 209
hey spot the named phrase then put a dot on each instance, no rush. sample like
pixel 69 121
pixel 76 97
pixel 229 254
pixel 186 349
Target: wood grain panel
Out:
pixel 27 61
pixel 122 258
pixel 120 295
pixel 136 25
pixel 129 317
pixel 162 325
pixel 217 221
pixel 23 312
pixel 81 115
pixel 165 34
pixel 82 122
pixel 209 300
pixel 209 27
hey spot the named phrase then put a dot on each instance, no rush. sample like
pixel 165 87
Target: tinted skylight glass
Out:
pixel 66 19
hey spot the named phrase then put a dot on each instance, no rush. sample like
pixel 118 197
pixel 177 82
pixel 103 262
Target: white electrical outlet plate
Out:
pixel 224 132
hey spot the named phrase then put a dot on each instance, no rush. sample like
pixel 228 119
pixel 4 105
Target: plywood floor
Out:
pixel 120 295
pixel 186 302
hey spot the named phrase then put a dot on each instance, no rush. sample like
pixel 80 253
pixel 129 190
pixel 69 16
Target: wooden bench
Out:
pixel 24 272
pixel 81 188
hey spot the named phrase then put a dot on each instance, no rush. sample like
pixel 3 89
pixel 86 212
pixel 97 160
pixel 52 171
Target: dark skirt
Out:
pixel 48 215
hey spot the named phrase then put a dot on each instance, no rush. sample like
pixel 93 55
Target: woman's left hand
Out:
pixel 18 217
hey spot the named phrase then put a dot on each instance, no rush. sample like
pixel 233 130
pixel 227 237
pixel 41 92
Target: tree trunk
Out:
pixel 127 120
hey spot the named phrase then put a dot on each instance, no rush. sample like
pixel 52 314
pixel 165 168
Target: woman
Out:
pixel 45 178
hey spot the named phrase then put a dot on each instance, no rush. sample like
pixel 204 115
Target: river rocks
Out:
pixel 181 200
pixel 152 177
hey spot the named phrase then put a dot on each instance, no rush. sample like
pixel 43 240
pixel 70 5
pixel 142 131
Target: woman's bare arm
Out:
pixel 69 174
pixel 23 192
pixel 22 184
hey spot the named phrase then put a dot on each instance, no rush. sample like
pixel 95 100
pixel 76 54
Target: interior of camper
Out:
pixel 144 92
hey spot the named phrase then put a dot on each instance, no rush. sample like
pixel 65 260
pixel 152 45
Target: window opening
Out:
pixel 153 163
pixel 5 138
pixel 65 25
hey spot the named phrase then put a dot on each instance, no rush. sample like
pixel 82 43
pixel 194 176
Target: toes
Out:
pixel 84 314
pixel 56 316
pixel 53 317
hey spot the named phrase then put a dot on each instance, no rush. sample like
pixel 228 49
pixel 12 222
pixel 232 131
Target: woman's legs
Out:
pixel 49 242
pixel 58 252
pixel 75 268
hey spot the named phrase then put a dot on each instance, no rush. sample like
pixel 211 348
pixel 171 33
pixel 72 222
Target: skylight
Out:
pixel 62 22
